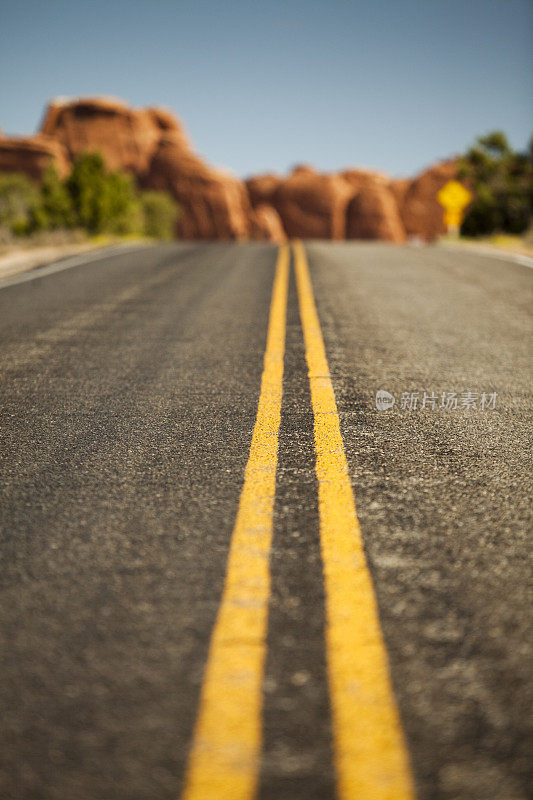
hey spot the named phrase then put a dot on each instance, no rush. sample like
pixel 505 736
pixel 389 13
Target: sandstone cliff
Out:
pixel 373 214
pixel 421 213
pixel 311 204
pixel 32 155
pixel 266 224
pixel 150 142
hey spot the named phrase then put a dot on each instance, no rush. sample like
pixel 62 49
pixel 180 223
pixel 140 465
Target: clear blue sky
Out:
pixel 393 85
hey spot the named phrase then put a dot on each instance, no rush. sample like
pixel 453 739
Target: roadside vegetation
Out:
pixel 501 181
pixel 91 200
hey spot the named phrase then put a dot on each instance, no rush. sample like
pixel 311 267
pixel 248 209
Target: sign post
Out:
pixel 454 198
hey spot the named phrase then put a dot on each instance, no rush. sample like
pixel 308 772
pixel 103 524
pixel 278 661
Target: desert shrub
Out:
pixel 19 199
pixel 502 183
pixel 123 209
pixel 91 198
pixel 160 213
pixel 94 195
pixel 55 209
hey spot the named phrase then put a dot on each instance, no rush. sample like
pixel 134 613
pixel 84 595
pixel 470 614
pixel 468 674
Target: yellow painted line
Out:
pixel 370 756
pixel 225 755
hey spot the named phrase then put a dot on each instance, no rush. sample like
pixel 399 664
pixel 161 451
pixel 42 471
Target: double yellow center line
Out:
pixel 370 757
pixel 224 760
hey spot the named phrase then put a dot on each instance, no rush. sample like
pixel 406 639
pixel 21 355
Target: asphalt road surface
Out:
pixel 189 607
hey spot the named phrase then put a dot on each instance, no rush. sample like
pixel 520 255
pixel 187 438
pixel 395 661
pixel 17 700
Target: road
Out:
pixel 191 606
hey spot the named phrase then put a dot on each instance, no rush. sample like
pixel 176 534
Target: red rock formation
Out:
pixel 312 205
pixel 266 224
pixel 214 204
pixel 261 188
pixel 421 213
pixel 32 155
pixel 359 178
pixel 399 187
pixel 152 144
pixel 126 137
pixel 373 214
pixel 355 203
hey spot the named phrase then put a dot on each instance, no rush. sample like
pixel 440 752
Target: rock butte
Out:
pixel 355 203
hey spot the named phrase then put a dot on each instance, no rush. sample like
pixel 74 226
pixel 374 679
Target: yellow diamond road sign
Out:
pixel 453 219
pixel 454 197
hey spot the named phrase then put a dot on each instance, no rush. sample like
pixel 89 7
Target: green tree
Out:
pixel 91 198
pixel 55 209
pixel 19 198
pixel 103 202
pixel 160 213
pixel 502 182
pixel 86 186
pixel 123 207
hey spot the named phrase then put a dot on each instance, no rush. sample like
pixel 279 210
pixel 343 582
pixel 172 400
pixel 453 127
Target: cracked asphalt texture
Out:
pixel 128 397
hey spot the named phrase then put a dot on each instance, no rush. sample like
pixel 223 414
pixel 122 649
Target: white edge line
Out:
pixel 68 263
pixel 517 258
